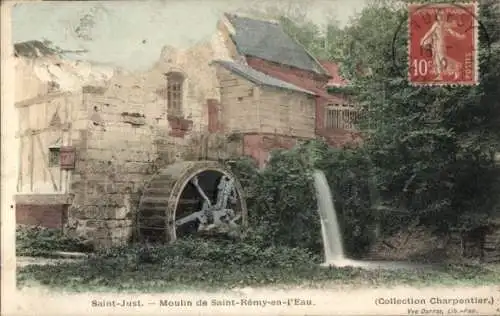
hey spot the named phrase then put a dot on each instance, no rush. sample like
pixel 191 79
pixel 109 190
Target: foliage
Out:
pixel 41 241
pixel 431 148
pixel 320 43
pixel 208 265
pixel 348 172
pixel 428 152
pixel 282 202
pixel 217 251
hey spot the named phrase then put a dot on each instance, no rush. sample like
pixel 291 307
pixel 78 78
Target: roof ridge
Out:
pixel 254 18
pixel 318 63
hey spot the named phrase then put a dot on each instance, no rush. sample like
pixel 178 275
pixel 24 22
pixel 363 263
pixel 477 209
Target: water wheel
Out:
pixel 193 197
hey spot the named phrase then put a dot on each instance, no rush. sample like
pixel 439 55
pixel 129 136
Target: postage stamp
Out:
pixel 443 44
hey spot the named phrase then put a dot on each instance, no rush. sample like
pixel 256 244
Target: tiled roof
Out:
pixel 268 40
pixel 334 71
pixel 258 77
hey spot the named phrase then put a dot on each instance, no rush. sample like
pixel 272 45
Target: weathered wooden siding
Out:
pixel 45 122
pixel 239 103
pixel 288 113
pixel 247 108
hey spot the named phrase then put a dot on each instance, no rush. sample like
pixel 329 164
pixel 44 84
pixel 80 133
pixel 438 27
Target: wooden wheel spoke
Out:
pixel 190 198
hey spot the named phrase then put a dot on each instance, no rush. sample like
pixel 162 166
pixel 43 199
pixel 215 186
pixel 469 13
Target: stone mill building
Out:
pixel 108 154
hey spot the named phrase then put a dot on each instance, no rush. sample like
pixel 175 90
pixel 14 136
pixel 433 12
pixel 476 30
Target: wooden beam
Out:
pixel 32 167
pixel 46 162
pixel 20 166
pixel 61 172
pixel 43 198
pixel 40 99
pixel 30 131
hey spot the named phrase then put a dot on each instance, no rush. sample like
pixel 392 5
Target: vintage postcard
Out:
pixel 259 157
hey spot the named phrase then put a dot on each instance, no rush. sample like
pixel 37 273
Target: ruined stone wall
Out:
pixel 214 146
pixel 130 134
pixel 200 84
pixel 222 42
pixel 115 157
pixel 116 160
pixel 123 133
pixel 51 116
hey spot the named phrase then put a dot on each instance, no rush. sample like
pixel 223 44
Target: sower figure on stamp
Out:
pixel 434 40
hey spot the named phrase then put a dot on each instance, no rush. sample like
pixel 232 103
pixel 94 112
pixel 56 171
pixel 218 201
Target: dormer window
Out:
pixel 175 82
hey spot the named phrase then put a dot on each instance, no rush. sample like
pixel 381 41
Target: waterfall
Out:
pixel 332 236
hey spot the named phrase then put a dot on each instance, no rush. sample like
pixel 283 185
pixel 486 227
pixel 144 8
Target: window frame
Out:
pixel 174 92
pixel 341 116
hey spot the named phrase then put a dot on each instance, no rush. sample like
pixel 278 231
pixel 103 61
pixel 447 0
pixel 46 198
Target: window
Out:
pixel 54 156
pixel 341 116
pixel 175 81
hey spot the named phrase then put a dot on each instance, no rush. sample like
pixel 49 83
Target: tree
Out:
pixel 432 148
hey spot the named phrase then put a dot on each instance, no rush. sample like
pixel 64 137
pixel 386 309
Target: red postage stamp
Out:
pixel 443 44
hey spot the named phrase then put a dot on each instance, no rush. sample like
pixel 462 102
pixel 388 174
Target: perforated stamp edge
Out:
pixel 475 16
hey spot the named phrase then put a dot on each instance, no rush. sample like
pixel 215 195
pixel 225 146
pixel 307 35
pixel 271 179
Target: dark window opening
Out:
pixel 54 157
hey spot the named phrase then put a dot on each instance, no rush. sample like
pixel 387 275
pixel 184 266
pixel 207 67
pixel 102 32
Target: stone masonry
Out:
pixel 129 135
pixel 123 129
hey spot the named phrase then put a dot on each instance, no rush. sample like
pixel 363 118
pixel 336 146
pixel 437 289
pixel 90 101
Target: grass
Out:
pixel 39 241
pixel 213 265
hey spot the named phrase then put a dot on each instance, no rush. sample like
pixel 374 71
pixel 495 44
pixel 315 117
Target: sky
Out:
pixel 131 34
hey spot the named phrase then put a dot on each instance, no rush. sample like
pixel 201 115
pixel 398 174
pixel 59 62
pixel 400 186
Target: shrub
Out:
pixel 206 251
pixel 37 240
pixel 282 203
